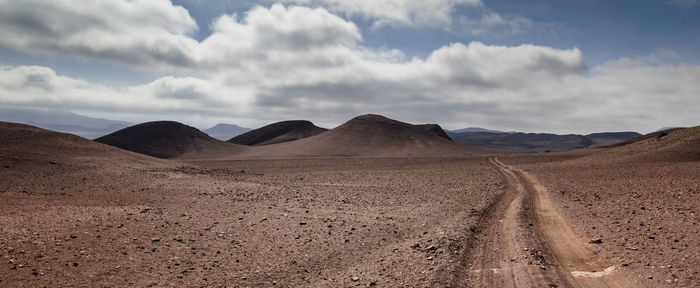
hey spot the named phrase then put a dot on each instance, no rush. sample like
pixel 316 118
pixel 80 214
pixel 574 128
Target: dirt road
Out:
pixel 522 241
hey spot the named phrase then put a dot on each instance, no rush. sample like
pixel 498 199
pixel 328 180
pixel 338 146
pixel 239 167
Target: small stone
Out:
pixel 430 257
pixel 355 278
pixel 155 239
pixel 596 241
pixel 302 223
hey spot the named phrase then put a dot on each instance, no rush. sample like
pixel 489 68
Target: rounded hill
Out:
pixel 367 135
pixel 162 139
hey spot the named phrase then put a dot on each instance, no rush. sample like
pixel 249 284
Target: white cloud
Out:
pixel 431 13
pixel 295 62
pixel 142 32
pixel 41 87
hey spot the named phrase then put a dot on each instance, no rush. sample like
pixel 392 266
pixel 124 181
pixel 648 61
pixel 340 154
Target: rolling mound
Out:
pixel 279 132
pixel 678 144
pixel 367 135
pixel 25 144
pixel 162 139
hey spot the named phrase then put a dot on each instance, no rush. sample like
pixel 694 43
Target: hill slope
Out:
pixel 162 139
pixel 677 144
pixel 367 135
pixel 435 129
pixel 24 145
pixel 278 133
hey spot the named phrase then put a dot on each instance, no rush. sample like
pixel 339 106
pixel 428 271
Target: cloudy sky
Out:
pixel 537 66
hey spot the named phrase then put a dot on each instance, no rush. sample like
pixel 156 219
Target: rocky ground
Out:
pixel 315 222
pixel 644 213
pixel 78 213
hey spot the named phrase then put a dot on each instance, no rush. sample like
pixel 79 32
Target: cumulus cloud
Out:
pixel 433 13
pixel 163 98
pixel 275 63
pixel 143 32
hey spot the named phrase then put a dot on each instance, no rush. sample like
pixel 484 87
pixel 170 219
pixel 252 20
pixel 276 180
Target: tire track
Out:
pixel 524 242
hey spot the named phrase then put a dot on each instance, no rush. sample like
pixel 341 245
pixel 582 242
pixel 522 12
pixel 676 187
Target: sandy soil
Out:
pixel 79 213
pixel 320 222
pixel 644 213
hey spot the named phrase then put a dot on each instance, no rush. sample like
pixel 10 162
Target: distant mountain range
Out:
pixel 517 142
pixel 62 121
pixel 225 132
pixel 473 129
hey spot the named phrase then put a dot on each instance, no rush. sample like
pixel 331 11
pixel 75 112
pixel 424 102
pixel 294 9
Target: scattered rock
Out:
pixel 596 241
pixel 355 278
pixel 155 239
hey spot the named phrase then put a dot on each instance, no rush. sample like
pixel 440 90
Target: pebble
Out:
pixel 355 278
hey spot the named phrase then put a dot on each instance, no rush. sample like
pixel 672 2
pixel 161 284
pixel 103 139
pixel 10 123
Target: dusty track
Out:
pixel 522 241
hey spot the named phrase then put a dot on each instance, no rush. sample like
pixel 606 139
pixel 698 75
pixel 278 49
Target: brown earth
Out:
pixel 302 222
pixel 79 213
pixel 640 200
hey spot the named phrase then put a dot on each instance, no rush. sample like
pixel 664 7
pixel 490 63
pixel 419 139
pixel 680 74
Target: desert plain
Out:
pixel 374 202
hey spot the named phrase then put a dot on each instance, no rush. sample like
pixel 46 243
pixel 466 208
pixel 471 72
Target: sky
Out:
pixel 555 66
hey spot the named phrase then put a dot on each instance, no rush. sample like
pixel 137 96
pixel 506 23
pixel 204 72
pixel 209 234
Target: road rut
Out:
pixel 522 241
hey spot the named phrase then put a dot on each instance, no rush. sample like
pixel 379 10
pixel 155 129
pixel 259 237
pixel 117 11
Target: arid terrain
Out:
pixel 374 202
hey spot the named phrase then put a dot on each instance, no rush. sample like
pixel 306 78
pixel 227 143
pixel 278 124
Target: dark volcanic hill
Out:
pixel 162 139
pixel 367 135
pixel 278 133
pixel 435 129
pixel 225 132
